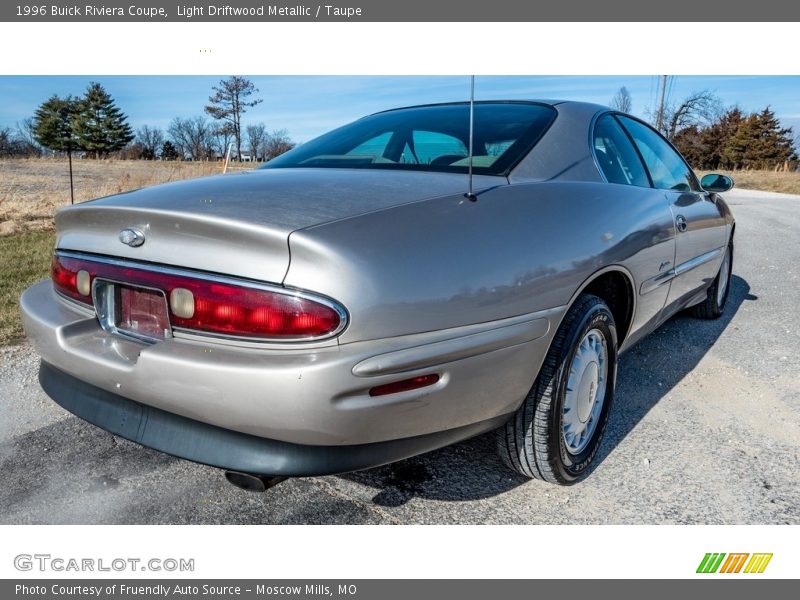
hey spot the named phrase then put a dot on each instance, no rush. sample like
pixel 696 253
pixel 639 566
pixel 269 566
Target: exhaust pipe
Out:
pixel 252 483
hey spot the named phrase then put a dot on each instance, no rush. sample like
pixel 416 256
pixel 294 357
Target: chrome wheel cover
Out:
pixel 586 391
pixel 724 273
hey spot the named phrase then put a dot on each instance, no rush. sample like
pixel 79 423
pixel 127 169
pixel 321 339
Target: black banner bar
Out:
pixel 711 11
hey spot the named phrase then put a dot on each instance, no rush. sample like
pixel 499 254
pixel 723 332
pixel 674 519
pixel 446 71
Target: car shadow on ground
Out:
pixel 63 470
pixel 472 470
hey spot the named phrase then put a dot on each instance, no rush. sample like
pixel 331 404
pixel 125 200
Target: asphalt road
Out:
pixel 705 429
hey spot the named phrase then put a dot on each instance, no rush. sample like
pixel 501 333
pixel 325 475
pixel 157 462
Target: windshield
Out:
pixel 429 138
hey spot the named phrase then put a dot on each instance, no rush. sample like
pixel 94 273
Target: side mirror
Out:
pixel 714 182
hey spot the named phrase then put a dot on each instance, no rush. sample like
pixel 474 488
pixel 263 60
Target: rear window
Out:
pixel 429 138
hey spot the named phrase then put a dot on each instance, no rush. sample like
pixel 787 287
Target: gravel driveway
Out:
pixel 705 429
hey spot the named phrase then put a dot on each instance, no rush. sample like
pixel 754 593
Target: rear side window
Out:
pixel 616 155
pixel 667 169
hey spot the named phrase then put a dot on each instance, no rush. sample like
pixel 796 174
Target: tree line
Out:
pixel 196 138
pixel 708 135
pixel 712 137
pixel 736 141
pixel 94 126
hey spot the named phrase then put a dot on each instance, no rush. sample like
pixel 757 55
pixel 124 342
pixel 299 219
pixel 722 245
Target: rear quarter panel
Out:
pixel 449 262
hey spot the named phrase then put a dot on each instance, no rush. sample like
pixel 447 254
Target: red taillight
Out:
pixel 65 279
pixel 212 305
pixel 405 385
pixel 236 310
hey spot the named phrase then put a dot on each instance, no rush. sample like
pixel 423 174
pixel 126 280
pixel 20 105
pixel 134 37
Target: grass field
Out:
pixel 32 189
pixel 766 181
pixel 24 259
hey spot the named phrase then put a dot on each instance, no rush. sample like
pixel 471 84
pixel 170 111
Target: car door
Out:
pixel 646 206
pixel 699 221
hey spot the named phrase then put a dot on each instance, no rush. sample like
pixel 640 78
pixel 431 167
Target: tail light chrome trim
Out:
pixel 215 278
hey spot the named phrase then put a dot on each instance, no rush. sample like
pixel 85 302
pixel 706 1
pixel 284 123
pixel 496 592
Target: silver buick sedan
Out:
pixel 396 285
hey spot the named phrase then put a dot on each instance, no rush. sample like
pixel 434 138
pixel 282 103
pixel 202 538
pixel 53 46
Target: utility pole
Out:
pixel 660 112
pixel 71 188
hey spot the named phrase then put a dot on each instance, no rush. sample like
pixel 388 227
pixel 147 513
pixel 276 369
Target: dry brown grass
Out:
pixel 32 189
pixel 766 181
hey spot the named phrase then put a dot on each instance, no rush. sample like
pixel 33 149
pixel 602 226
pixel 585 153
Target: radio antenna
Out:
pixel 470 195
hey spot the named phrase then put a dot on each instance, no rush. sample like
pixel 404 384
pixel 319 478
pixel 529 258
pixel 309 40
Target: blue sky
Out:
pixel 307 106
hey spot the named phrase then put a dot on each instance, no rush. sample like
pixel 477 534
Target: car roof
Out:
pixel 562 104
pixel 563 152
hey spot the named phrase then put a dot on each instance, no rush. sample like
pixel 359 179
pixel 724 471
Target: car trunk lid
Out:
pixel 239 224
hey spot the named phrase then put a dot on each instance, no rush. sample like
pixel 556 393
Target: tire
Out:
pixel 714 304
pixel 536 441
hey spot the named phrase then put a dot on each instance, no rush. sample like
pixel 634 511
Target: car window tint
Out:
pixel 497 148
pixel 667 169
pixel 616 155
pixel 408 156
pixel 429 138
pixel 432 147
pixel 373 147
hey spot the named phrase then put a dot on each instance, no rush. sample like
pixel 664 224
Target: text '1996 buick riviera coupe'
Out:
pixel 349 305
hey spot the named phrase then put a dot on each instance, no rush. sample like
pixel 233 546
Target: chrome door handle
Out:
pixel 681 224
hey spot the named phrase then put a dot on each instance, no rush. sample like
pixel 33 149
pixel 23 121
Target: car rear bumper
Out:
pixel 313 395
pixel 207 444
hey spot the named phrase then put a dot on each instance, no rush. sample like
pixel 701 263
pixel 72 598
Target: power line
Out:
pixel 660 112
pixel 670 83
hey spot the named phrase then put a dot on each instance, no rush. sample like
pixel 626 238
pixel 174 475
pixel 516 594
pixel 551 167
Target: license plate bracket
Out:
pixel 132 311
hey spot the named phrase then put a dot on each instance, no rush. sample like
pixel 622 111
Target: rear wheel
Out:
pixel 717 295
pixel 555 434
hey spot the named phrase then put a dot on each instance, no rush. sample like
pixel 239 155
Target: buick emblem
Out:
pixel 132 237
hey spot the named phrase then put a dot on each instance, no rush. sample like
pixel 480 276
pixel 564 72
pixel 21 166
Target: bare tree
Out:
pixel 7 143
pixel 276 143
pixel 222 138
pixel 27 137
pixel 230 101
pixel 202 138
pixel 622 100
pixel 150 139
pixel 15 144
pixel 698 108
pixel 178 132
pixel 256 136
pixel 134 151
pixel 192 137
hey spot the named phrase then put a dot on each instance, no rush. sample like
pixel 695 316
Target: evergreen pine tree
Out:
pixel 53 124
pixel 169 151
pixel 689 143
pixel 773 144
pixel 100 126
pixel 54 128
pixel 714 138
pixel 229 103
pixel 759 143
pixel 738 148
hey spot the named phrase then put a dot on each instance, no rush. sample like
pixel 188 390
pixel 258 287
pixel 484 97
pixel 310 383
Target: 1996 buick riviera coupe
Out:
pixel 349 305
